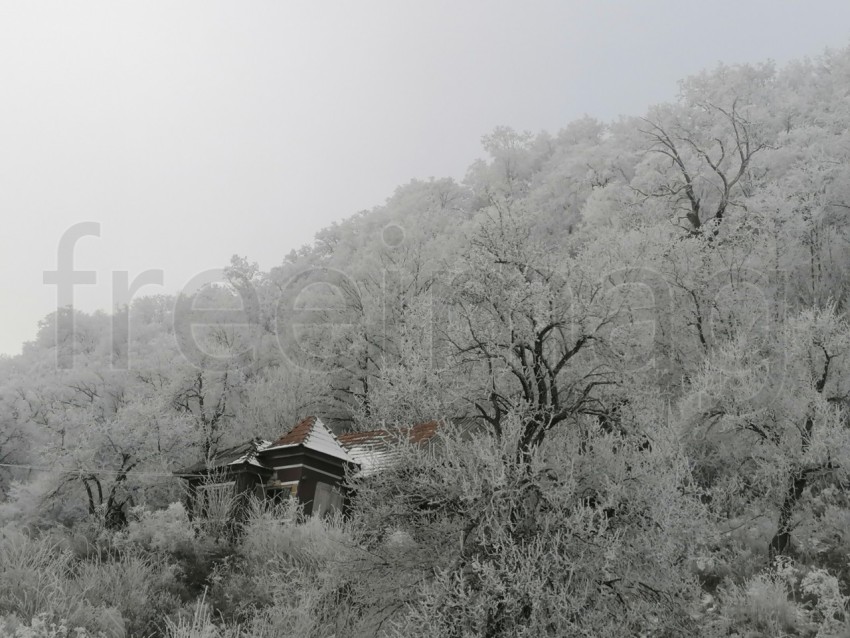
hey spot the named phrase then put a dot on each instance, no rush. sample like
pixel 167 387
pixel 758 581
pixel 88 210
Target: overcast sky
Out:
pixel 191 131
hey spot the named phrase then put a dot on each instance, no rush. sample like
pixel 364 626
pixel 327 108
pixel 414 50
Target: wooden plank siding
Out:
pixel 307 467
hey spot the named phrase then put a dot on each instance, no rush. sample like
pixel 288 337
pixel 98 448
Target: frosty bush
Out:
pixel 160 531
pixel 285 571
pixel 475 539
pixel 199 625
pixel 39 627
pixel 33 575
pixel 41 583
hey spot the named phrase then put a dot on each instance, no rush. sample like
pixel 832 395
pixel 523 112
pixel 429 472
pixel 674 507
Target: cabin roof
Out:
pixel 314 435
pixel 238 454
pixel 371 450
pixel 375 449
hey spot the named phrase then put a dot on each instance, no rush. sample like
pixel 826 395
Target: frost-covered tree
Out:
pixel 766 420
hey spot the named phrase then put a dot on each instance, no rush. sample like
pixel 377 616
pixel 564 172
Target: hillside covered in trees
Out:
pixel 647 316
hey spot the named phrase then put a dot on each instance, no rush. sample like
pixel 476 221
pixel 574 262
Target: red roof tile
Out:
pixel 419 433
pixel 423 431
pixel 298 434
pixel 313 435
pixel 357 438
pixel 375 449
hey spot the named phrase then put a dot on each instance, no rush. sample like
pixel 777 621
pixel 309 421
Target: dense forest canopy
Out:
pixel 647 316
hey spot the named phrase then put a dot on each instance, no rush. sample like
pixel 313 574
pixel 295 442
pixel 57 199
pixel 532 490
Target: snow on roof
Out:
pixel 245 452
pixel 313 435
pixel 251 456
pixel 297 435
pixel 376 449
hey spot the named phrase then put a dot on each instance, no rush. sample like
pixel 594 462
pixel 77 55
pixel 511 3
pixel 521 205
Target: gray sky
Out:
pixel 193 130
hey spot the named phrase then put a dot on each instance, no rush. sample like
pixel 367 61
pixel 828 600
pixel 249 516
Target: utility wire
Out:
pixel 101 471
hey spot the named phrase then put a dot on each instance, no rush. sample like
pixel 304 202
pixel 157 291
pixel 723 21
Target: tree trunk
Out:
pixel 780 544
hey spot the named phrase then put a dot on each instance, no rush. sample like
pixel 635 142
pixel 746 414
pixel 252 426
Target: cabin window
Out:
pixel 281 492
pixel 328 499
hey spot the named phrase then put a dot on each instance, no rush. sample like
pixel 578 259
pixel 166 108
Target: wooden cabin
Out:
pixel 308 463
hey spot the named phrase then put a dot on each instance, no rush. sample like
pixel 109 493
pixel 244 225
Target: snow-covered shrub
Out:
pixel 98 621
pixel 160 530
pixel 199 625
pixel 764 604
pixel 280 535
pixel 829 610
pixel 39 627
pixel 283 576
pixel 138 588
pixel 549 543
pixel 786 599
pixel 33 575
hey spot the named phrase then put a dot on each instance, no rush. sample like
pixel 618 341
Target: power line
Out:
pixel 100 471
